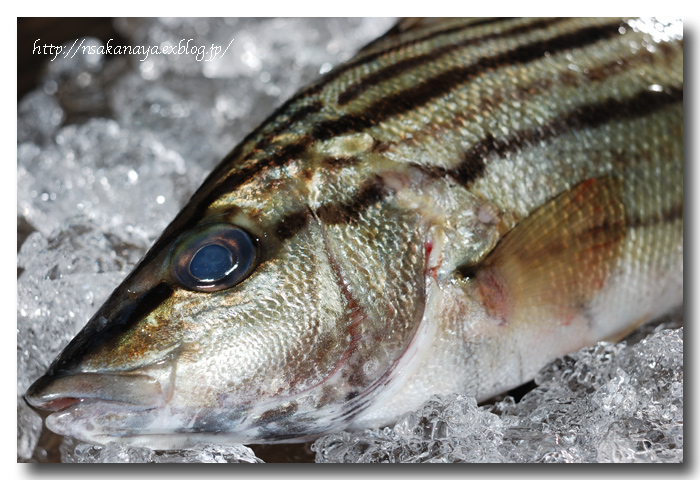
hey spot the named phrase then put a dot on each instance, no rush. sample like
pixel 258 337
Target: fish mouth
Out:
pixel 129 408
pixel 56 393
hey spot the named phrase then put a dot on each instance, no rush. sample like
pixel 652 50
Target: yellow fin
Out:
pixel 558 258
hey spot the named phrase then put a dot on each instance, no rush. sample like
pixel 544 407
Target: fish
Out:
pixel 457 205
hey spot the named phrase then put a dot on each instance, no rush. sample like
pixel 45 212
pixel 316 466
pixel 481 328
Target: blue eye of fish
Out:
pixel 214 257
pixel 211 263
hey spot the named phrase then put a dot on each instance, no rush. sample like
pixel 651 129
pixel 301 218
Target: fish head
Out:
pixel 260 315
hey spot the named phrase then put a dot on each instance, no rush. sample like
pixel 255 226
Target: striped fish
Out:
pixel 459 204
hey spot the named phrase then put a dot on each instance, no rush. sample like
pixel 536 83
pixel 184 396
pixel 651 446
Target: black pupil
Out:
pixel 211 263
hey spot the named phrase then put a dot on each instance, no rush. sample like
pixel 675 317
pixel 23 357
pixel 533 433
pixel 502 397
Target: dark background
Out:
pixel 55 31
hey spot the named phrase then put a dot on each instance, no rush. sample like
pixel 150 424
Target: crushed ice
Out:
pixel 73 452
pixel 109 151
pixel 607 403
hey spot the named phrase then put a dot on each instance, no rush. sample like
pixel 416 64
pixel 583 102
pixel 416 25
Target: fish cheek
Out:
pixel 378 265
pixel 273 336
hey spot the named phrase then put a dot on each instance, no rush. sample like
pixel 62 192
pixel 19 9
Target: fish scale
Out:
pixel 459 204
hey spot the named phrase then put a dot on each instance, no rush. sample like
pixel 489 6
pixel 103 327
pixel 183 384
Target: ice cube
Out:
pixel 110 174
pixel 74 452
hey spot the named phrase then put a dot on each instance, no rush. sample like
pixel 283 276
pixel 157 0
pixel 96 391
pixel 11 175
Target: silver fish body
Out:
pixel 459 204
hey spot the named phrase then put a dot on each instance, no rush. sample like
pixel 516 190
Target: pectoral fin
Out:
pixel 552 263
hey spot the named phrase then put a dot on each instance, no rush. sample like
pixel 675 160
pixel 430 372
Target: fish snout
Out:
pixel 58 392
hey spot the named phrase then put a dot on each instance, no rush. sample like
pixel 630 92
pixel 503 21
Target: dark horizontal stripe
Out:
pixel 296 117
pixel 662 58
pixel 94 336
pixel 292 223
pixel 642 104
pixel 396 30
pixel 264 140
pixel 369 58
pixel 369 193
pixel 472 165
pixel 337 163
pixel 457 28
pixel 440 85
pixel 144 306
pixel 671 215
pixel 591 116
pixel 396 69
pixel 248 172
pixel 616 66
pixel 485 21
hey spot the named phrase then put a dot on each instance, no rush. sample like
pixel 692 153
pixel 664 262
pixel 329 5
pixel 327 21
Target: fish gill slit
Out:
pixel 356 311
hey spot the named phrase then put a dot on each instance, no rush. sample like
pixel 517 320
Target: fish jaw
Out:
pixel 56 393
pixel 99 422
pixel 82 402
pixel 103 406
pixel 138 407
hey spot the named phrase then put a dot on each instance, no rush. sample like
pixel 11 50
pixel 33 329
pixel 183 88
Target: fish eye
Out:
pixel 214 257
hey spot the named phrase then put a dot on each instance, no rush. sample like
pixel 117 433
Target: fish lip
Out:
pixel 58 392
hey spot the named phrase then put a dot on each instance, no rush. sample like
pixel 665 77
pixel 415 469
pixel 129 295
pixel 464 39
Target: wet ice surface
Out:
pixel 109 152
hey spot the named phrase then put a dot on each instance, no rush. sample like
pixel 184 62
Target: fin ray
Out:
pixel 554 261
